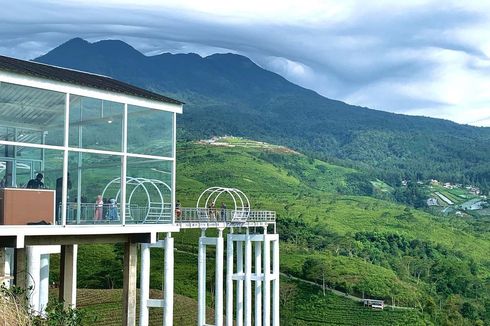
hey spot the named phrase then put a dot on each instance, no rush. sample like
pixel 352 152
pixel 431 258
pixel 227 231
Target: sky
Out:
pixel 415 57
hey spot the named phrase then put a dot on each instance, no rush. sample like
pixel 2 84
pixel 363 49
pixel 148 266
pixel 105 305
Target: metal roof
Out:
pixel 76 77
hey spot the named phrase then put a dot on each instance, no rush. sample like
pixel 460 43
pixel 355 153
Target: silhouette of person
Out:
pixel 36 183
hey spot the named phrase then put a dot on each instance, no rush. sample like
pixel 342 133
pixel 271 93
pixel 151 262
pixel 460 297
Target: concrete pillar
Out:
pixel 144 284
pixel 34 279
pixel 44 285
pixel 3 263
pixel 129 284
pixel 275 284
pixel 201 267
pixel 68 275
pixel 248 280
pixel 20 268
pixel 168 312
pixel 239 287
pixel 258 283
pixel 218 291
pixel 9 266
pixel 229 279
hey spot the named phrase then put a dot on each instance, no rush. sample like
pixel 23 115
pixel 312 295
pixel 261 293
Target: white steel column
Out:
pixel 266 285
pixel 144 283
pixel 248 280
pixel 64 192
pixel 68 289
pixel 168 297
pixel 275 284
pixel 44 283
pixel 33 278
pixel 201 267
pixel 124 162
pixel 258 283
pixel 239 287
pixel 218 292
pixel 229 279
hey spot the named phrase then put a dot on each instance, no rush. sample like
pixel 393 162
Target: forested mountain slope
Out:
pixel 229 94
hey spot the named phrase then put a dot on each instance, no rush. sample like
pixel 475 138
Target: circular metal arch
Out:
pixel 240 200
pixel 155 205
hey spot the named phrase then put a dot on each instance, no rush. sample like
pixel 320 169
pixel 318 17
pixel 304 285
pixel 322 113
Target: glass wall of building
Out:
pixel 88 200
pixel 32 141
pixel 31 115
pixel 149 190
pixel 150 131
pixel 96 124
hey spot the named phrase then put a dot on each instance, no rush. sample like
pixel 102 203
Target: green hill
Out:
pixel 360 245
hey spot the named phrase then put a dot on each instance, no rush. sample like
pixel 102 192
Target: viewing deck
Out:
pixel 209 218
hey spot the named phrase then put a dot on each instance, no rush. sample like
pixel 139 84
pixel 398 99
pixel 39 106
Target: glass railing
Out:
pixel 91 213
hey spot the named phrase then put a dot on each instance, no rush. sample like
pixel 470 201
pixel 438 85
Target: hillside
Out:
pixel 360 245
pixel 363 246
pixel 229 94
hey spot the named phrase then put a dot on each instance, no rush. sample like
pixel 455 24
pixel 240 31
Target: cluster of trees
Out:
pixel 447 282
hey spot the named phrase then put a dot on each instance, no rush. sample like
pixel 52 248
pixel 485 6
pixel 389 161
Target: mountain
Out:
pixel 229 94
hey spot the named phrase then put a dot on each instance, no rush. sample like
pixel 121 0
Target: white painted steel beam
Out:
pixel 239 287
pixel 275 284
pixel 229 279
pixel 201 282
pixel 168 312
pixel 258 283
pixel 218 292
pixel 266 285
pixel 248 281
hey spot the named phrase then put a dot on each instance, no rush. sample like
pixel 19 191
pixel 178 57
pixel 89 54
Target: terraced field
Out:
pixel 335 310
pixel 106 307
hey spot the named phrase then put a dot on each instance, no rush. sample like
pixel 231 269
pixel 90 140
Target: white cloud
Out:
pixel 414 57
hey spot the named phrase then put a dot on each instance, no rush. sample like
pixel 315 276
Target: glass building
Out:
pixel 105 149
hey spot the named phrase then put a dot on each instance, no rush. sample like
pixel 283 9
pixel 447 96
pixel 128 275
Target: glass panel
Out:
pixel 148 191
pixel 95 191
pixel 30 115
pixel 53 170
pixel 95 124
pixel 150 131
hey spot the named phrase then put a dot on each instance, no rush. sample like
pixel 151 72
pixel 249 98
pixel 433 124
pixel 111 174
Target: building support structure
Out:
pixel 218 242
pixel 167 303
pixel 250 270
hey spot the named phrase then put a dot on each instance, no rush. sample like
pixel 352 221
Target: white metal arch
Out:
pixel 240 200
pixel 155 206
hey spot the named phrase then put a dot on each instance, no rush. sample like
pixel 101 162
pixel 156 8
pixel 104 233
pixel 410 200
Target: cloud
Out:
pixel 417 57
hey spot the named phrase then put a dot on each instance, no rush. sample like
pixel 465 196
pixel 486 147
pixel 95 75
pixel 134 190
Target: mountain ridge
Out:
pixel 229 94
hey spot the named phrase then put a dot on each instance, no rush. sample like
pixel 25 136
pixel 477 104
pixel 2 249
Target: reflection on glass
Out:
pixel 95 124
pixel 31 115
pixel 95 193
pixel 148 191
pixel 150 131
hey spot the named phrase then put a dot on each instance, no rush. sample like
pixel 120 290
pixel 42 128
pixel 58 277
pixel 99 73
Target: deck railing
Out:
pixel 90 213
pixel 200 215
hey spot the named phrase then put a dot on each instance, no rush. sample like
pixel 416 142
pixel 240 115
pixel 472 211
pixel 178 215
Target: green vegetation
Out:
pixel 332 234
pixel 357 244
